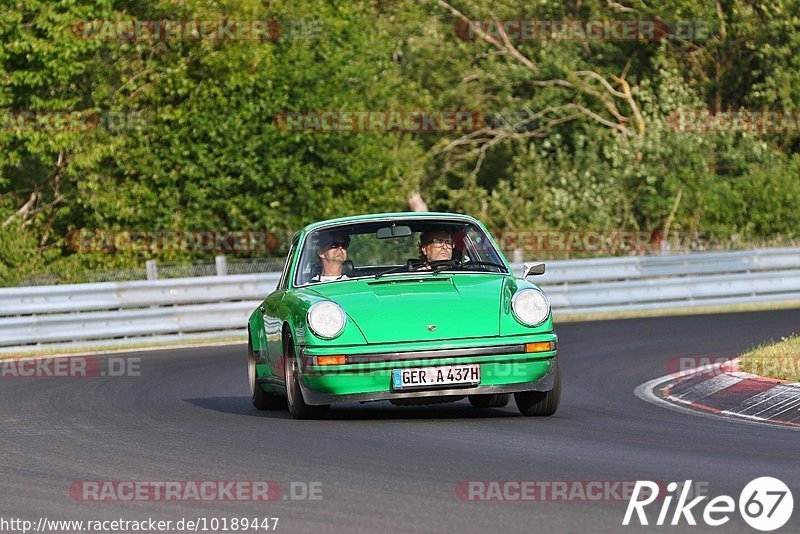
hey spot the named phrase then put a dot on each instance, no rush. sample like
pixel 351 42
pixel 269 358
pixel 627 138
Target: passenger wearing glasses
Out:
pixel 332 253
pixel 435 245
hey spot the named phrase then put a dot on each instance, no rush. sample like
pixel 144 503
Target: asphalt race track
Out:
pixel 393 469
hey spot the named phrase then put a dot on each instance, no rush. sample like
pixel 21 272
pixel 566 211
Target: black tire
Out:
pixel 294 397
pixel 260 398
pixel 540 403
pixel 496 400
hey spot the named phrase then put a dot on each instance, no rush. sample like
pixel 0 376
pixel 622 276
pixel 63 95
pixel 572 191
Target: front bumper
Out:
pixel 505 368
pixel 312 397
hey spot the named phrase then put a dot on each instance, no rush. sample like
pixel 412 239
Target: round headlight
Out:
pixel 530 307
pixel 326 319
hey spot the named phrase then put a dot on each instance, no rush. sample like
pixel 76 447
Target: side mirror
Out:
pixel 532 269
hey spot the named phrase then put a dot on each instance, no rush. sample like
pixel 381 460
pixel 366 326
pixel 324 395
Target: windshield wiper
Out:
pixel 398 269
pixel 484 264
pixel 438 266
pixel 441 265
pixel 432 267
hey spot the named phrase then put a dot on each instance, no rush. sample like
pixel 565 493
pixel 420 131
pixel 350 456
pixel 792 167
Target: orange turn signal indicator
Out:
pixel 540 346
pixel 337 359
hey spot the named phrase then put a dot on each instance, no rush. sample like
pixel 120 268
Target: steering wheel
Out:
pixel 413 264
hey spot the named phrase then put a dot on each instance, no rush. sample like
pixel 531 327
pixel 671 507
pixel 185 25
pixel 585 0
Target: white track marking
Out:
pixel 646 393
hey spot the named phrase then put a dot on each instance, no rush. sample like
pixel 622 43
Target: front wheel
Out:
pixel 540 403
pixel 294 397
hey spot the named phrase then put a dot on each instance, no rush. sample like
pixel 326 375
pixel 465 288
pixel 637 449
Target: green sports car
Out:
pixel 413 308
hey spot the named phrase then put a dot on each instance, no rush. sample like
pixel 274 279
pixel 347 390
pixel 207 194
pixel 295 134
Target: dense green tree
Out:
pixel 579 134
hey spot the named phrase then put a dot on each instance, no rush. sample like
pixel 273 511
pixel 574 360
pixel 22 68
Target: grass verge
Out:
pixel 775 360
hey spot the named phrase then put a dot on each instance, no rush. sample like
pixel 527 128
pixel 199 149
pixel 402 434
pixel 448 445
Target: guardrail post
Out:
pixel 152 269
pixel 222 265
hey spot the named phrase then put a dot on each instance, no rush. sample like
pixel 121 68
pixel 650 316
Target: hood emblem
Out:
pixel 431 327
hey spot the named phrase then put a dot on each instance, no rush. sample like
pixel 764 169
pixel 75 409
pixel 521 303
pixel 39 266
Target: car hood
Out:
pixel 420 308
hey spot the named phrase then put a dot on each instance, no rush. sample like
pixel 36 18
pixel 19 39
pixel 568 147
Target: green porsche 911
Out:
pixel 413 308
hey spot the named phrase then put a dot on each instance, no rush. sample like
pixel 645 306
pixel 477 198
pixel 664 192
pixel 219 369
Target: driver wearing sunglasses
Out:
pixel 436 245
pixel 332 253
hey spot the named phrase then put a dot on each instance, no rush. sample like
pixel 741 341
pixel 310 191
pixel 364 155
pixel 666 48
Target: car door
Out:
pixel 274 314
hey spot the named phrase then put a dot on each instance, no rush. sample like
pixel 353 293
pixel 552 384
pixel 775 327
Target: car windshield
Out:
pixel 399 247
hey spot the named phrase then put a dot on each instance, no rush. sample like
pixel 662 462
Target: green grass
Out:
pixel 776 360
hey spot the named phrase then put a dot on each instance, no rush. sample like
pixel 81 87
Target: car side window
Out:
pixel 284 281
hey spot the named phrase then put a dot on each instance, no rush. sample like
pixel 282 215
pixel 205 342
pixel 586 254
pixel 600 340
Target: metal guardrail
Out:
pixel 119 313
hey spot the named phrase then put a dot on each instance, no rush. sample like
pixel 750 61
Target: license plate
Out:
pixel 425 377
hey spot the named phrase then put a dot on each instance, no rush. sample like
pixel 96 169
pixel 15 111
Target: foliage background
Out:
pixel 207 154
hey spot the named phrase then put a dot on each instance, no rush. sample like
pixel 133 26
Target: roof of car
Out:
pixel 400 215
